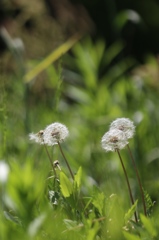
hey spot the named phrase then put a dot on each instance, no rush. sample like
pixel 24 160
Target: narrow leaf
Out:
pixel 130 212
pixel 148 224
pixel 78 177
pixel 56 54
pixel 65 185
pixel 129 236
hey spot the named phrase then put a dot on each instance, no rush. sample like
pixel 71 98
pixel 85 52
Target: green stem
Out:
pixel 128 184
pixel 139 181
pixel 50 160
pixel 66 161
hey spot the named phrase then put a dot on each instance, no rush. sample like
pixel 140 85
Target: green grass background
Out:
pixel 84 89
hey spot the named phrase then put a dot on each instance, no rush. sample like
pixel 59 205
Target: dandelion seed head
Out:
pixel 57 164
pixel 37 137
pixel 114 140
pixel 54 133
pixel 125 125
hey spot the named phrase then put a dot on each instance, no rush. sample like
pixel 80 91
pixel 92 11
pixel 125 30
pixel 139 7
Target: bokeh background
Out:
pixel 109 68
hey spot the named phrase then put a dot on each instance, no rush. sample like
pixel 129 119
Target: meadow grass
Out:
pixel 87 196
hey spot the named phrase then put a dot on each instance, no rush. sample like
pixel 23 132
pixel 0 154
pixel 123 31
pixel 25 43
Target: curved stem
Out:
pixel 139 181
pixel 66 161
pixel 128 184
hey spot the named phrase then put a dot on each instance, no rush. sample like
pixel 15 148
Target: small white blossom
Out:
pixel 125 125
pixel 4 171
pixel 114 140
pixel 37 137
pixel 54 133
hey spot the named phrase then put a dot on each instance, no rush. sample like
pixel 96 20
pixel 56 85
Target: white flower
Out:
pixel 114 140
pixel 4 171
pixel 37 137
pixel 54 133
pixel 125 125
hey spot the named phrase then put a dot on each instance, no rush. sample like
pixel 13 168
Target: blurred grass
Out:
pixel 85 90
pixel 55 55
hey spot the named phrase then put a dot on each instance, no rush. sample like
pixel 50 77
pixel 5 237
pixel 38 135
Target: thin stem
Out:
pixel 127 180
pixel 66 160
pixel 50 160
pixel 139 181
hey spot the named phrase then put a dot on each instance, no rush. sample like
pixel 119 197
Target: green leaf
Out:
pixel 98 201
pixel 130 212
pixel 70 224
pixel 149 203
pixel 12 218
pixel 148 224
pixel 65 185
pixel 78 177
pixel 52 57
pixel 129 236
pixel 35 225
pixel 93 232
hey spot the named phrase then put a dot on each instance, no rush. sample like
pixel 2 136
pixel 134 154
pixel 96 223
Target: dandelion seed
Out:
pixel 114 140
pixel 37 137
pixel 55 133
pixel 125 125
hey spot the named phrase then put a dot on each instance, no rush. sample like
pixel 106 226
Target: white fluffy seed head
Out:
pixel 37 137
pixel 125 125
pixel 54 133
pixel 114 140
